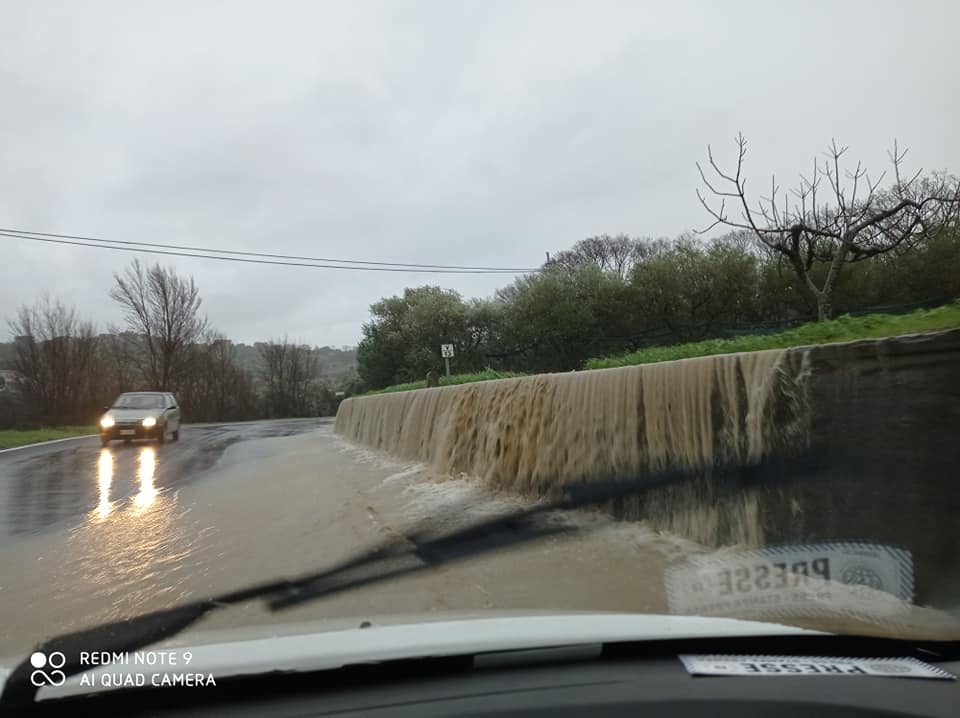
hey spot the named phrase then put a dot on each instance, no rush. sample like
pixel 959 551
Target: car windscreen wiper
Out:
pixel 423 546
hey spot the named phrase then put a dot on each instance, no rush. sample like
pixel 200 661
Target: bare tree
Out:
pixel 835 216
pixel 273 357
pixel 221 358
pixel 302 373
pixel 291 378
pixel 217 388
pixel 54 355
pixel 163 310
pixel 611 254
pixel 118 371
pixel 616 255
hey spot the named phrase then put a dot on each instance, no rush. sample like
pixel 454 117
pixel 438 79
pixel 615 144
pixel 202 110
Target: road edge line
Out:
pixel 45 443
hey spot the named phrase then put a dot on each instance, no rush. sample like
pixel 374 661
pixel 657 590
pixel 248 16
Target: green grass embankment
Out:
pixel 842 329
pixel 486 375
pixel 10 438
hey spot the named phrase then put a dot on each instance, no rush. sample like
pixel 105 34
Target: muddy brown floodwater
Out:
pixel 284 506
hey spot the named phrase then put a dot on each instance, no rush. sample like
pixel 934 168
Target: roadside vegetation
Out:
pixel 841 329
pixel 61 368
pixel 10 438
pixel 778 277
pixel 720 296
pixel 851 247
pixel 486 375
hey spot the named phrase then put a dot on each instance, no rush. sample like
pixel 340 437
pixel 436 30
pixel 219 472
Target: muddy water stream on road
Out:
pixel 536 434
pixel 285 506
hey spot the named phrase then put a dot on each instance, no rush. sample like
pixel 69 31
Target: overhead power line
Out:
pixel 229 255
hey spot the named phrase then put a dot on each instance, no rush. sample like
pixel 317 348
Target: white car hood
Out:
pixel 311 651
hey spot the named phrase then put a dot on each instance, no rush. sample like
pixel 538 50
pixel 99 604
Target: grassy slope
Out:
pixel 485 375
pixel 12 437
pixel 842 329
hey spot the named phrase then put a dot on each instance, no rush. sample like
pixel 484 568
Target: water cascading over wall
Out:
pixel 536 434
pixel 850 441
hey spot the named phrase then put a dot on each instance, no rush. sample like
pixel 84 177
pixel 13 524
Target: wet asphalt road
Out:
pixel 53 486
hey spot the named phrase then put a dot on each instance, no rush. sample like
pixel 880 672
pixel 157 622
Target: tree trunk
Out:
pixel 824 306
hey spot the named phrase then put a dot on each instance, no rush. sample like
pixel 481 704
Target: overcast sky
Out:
pixel 482 133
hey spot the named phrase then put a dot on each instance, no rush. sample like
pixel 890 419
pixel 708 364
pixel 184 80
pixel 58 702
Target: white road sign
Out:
pixel 446 350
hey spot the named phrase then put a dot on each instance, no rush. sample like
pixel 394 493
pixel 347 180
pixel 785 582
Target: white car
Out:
pixel 141 415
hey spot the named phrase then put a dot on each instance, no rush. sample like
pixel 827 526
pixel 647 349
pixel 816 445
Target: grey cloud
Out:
pixel 463 133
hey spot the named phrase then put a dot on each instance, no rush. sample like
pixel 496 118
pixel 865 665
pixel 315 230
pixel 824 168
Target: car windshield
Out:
pixel 139 401
pixel 658 299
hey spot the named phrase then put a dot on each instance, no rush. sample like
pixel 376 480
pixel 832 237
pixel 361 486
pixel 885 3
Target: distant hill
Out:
pixel 338 366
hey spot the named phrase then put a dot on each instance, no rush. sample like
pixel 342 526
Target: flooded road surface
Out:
pixel 49 486
pixel 94 535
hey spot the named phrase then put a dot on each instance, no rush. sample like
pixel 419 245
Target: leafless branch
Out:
pixel 859 221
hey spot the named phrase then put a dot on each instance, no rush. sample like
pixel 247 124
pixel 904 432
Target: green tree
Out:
pixel 694 290
pixel 549 319
pixel 402 340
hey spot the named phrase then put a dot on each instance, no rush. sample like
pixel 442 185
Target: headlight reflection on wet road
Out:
pixel 134 541
pixel 105 479
pixel 108 466
pixel 145 471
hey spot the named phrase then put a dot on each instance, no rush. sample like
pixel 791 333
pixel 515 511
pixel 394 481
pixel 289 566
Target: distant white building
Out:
pixel 8 380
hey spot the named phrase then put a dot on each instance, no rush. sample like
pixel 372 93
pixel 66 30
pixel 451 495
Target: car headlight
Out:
pixel 106 422
pixel 149 421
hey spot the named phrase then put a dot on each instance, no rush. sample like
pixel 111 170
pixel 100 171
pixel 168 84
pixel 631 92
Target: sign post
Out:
pixel 446 351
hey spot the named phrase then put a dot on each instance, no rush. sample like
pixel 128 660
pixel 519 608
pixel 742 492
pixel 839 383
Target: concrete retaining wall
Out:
pixel 854 441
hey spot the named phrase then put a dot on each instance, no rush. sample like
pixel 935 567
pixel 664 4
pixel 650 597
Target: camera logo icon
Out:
pixel 47 669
